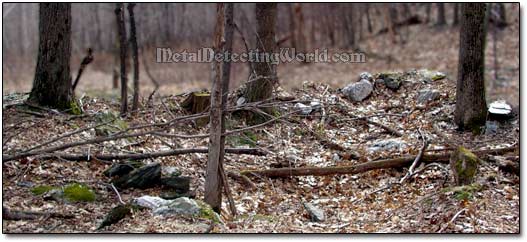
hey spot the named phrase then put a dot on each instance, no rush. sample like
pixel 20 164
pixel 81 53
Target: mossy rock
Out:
pixel 431 75
pixel 74 108
pixel 207 212
pixel 464 165
pixel 465 192
pixel 39 190
pixel 78 193
pixel 246 138
pixel 115 124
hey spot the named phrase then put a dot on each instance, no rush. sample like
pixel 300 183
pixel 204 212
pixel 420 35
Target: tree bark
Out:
pixel 471 107
pixel 135 56
pixel 52 83
pixel 441 19
pixel 213 181
pixel 123 46
pixel 455 21
pixel 292 24
pixel 260 87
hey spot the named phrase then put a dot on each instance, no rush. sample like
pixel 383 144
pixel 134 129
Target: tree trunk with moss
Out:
pixel 52 83
pixel 471 106
pixel 260 87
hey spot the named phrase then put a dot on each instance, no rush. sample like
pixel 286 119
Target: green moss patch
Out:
pixel 78 193
pixel 207 212
pixel 464 192
pixel 246 138
pixel 113 124
pixel 39 190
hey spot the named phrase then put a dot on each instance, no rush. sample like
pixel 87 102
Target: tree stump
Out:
pixel 464 165
pixel 197 102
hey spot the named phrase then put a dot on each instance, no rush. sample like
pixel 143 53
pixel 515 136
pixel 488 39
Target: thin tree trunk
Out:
pixel 123 46
pixel 225 80
pixel 292 24
pixel 455 21
pixel 135 56
pixel 52 83
pixel 441 19
pixel 260 87
pixel 428 11
pixel 213 181
pixel 471 107
pixel 368 19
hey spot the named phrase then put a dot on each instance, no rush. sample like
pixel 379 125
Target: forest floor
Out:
pixel 352 203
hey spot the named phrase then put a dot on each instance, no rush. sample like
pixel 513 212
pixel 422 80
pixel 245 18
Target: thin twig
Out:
pixel 118 195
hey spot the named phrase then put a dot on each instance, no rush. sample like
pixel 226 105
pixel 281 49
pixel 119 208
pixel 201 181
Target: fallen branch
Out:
pixel 364 167
pixel 84 157
pixel 242 179
pixel 417 160
pixel 452 220
pixel 30 215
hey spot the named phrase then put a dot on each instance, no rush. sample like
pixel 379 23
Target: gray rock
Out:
pixel 170 171
pixel 179 184
pixel 121 169
pixel 379 81
pixel 429 76
pixel 366 75
pixel 387 144
pixel 144 177
pixel 316 214
pixel 427 95
pixel 491 127
pixel 315 105
pixel 150 202
pixel 240 101
pixel 358 91
pixel 25 184
pixel 171 195
pixel 182 205
pixel 392 83
pixel 304 109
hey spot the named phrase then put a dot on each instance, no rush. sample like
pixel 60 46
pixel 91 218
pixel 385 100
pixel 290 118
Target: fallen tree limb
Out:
pixel 8 214
pixel 84 157
pixel 368 166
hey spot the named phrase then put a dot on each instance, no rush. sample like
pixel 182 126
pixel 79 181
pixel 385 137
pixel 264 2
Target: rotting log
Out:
pixel 364 167
pixel 107 157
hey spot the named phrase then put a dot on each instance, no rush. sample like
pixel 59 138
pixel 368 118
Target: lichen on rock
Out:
pixel 464 165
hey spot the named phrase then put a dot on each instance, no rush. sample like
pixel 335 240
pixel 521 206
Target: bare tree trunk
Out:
pixel 52 83
pixel 292 24
pixel 260 87
pixel 428 11
pixel 301 36
pixel 441 19
pixel 455 22
pixel 368 19
pixel 123 46
pixel 135 56
pixel 213 181
pixel 391 19
pixel 471 107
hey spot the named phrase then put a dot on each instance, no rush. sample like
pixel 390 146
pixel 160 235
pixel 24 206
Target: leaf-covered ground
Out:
pixel 352 203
